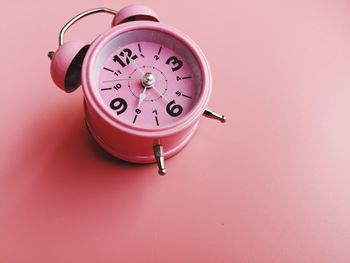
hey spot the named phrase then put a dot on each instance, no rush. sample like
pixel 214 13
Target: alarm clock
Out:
pixel 146 84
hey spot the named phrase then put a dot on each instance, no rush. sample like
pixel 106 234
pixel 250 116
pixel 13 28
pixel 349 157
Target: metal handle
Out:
pixel 75 19
pixel 80 16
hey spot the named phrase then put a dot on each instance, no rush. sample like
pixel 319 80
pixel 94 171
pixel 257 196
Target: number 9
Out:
pixel 119 105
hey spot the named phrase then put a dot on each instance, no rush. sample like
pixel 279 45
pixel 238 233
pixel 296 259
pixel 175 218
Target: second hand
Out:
pixel 114 80
pixel 157 90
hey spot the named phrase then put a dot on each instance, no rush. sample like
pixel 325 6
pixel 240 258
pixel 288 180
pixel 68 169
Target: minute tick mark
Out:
pixel 108 69
pixel 117 73
pixel 179 78
pixel 135 118
pixel 140 50
pixel 139 47
pixel 186 96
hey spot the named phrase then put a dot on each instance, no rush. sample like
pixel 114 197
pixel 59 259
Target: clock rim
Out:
pixel 179 125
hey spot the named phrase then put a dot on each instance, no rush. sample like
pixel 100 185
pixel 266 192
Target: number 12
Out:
pixel 126 53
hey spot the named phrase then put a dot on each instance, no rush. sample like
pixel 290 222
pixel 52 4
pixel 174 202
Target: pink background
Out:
pixel 271 185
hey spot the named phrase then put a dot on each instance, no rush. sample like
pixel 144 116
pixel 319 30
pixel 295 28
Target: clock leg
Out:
pixel 159 155
pixel 214 115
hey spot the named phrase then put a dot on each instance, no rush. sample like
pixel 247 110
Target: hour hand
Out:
pixel 142 96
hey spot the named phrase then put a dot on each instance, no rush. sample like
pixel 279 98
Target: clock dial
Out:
pixel 148 79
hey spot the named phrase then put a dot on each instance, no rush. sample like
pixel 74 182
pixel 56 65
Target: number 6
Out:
pixel 174 109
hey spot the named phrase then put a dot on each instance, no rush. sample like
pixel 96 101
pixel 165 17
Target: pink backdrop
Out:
pixel 271 185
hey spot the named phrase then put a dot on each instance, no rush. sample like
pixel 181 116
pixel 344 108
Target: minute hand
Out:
pixel 132 61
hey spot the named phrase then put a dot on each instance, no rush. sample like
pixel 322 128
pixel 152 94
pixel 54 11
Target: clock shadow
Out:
pixel 71 184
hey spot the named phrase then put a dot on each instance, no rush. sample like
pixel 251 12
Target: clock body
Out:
pixel 127 113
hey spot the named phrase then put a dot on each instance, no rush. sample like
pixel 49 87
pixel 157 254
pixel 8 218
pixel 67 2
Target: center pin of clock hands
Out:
pixel 148 82
pixel 153 86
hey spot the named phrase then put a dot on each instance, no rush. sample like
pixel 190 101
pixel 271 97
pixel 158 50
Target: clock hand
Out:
pixel 132 61
pixel 142 96
pixel 157 90
pixel 114 80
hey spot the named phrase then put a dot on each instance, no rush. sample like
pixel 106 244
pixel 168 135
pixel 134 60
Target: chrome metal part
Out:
pixel 214 115
pixel 80 16
pixel 148 80
pixel 159 155
pixel 51 54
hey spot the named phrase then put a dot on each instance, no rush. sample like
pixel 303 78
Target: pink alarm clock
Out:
pixel 146 85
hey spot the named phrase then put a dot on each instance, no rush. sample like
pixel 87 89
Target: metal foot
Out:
pixel 214 115
pixel 159 155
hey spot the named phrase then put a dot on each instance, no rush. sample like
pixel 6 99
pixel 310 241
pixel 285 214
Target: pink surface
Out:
pixel 271 185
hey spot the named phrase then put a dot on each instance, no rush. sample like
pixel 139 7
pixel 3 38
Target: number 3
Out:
pixel 177 64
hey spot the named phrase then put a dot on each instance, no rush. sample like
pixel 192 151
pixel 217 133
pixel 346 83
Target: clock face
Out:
pixel 148 78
